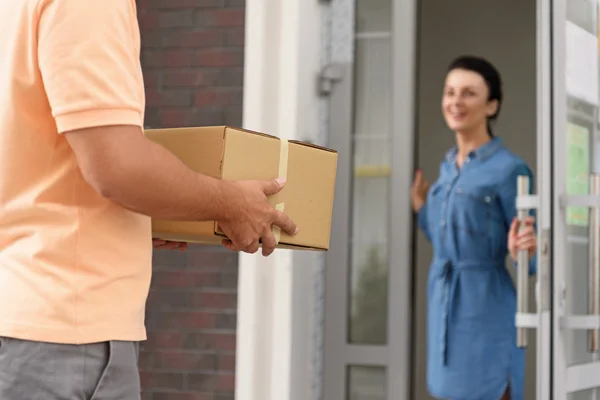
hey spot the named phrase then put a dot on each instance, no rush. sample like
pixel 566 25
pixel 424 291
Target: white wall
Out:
pixel 275 295
pixel 505 33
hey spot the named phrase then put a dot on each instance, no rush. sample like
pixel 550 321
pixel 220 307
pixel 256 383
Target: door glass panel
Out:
pixel 366 383
pixel 582 160
pixel 590 394
pixel 371 182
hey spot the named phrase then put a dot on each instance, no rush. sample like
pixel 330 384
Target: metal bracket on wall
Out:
pixel 329 75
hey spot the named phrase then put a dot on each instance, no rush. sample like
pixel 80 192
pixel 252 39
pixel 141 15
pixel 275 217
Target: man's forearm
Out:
pixel 154 182
pixel 140 175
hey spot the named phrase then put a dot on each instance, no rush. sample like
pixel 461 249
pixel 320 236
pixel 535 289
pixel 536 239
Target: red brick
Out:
pixel 225 320
pixel 164 340
pixel 190 39
pixel 184 279
pixel 218 58
pixel 162 380
pixel 148 20
pixel 173 97
pixel 215 300
pixel 210 341
pixel 146 358
pixel 168 300
pixel 231 77
pixel 228 280
pixel 193 319
pixel 168 58
pixel 226 362
pixel 235 37
pixel 177 18
pixel 182 396
pixel 174 118
pixel 228 17
pixel 218 98
pixel 205 98
pixel 203 382
pixel 226 383
pixel 182 117
pixel 152 79
pixel 180 360
pixel 174 4
pixel 199 257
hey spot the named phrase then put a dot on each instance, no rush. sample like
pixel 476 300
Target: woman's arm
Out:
pixel 508 194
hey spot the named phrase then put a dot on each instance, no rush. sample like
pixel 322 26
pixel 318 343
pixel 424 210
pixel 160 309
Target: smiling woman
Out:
pixel 469 216
pixel 473 94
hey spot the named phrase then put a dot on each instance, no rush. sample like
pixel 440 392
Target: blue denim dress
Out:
pixel 472 352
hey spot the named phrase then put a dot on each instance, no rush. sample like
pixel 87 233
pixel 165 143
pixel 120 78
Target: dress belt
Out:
pixel 449 268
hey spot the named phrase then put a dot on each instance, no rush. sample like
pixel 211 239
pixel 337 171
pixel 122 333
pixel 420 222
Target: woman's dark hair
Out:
pixel 490 75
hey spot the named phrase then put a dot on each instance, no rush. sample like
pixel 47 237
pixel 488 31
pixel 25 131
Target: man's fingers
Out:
pixel 268 243
pixel 285 223
pixel 253 248
pixel 228 244
pixel 158 242
pixel 273 187
pixel 183 246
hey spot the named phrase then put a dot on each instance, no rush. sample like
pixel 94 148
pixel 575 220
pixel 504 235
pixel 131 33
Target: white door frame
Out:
pixel 396 355
pixel 544 215
pixel 566 379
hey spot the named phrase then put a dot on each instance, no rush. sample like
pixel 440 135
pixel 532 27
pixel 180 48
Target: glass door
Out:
pixel 367 275
pixel 575 199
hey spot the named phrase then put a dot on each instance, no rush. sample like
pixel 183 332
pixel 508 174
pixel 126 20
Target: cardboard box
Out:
pixel 236 154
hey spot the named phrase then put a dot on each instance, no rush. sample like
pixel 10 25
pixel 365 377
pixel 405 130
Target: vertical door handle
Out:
pixel 522 266
pixel 594 264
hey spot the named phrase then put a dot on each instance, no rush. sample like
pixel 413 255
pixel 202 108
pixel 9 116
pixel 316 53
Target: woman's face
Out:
pixel 465 102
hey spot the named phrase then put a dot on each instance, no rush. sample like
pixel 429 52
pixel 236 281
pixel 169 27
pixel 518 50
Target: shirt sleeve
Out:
pixel 88 56
pixel 424 221
pixel 508 194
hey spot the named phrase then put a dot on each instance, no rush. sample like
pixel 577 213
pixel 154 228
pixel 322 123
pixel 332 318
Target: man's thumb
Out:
pixel 274 186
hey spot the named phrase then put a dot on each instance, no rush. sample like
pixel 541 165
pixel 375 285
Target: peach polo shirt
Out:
pixel 74 267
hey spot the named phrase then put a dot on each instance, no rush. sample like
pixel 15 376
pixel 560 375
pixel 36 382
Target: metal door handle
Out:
pixel 522 266
pixel 594 267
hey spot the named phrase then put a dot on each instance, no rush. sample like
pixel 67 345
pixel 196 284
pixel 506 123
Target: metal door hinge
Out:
pixel 329 75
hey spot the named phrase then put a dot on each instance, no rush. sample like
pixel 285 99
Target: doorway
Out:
pixel 504 33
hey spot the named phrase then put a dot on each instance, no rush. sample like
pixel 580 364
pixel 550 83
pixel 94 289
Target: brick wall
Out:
pixel 192 59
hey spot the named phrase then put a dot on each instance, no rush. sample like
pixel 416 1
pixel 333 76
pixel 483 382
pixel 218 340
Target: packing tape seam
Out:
pixel 282 173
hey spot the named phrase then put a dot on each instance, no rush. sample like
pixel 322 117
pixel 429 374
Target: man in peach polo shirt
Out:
pixel 78 185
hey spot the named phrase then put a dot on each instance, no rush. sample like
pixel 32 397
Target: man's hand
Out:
pixel 250 216
pixel 160 244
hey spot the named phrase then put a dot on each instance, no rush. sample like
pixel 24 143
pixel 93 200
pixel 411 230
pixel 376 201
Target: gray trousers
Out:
pixel 46 371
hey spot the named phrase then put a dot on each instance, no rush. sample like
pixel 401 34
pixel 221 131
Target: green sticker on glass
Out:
pixel 578 170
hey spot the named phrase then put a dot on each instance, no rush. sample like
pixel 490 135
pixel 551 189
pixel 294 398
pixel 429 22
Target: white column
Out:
pixel 275 294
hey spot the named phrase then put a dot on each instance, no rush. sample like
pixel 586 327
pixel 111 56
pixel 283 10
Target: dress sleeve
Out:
pixel 508 194
pixel 423 220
